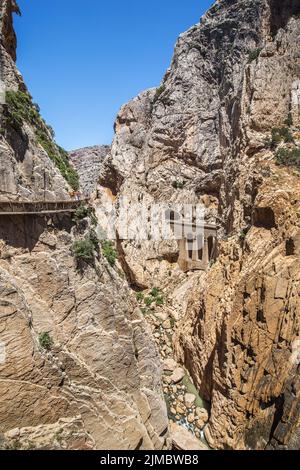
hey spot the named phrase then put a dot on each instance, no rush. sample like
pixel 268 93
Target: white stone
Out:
pixel 170 365
pixel 177 375
pixel 189 399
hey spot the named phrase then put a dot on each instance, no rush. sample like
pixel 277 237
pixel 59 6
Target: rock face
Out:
pixel 182 439
pixel 27 172
pixel 225 124
pixel 78 365
pixel 88 163
pixel 99 384
pixel 78 368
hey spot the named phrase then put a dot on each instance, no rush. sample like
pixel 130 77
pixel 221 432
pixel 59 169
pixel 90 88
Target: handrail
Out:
pixel 39 207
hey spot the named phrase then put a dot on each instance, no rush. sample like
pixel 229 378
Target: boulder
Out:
pixel 177 375
pixel 182 439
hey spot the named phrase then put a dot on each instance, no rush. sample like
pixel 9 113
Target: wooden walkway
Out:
pixel 39 207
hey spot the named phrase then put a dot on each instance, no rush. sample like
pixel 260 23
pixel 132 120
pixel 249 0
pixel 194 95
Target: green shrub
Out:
pixel 148 301
pixel 154 292
pixel 139 296
pixel 154 297
pixel 243 234
pixel 61 159
pixel 159 91
pixel 83 250
pixel 20 108
pixel 159 301
pixel 45 341
pixel 94 239
pixel 281 134
pixel 82 211
pixel 254 54
pixel 109 252
pixel 178 184
pixel 289 157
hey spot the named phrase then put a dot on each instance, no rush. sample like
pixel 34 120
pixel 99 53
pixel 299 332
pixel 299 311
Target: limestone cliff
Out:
pixel 78 365
pixel 88 163
pixel 225 124
pixel 32 166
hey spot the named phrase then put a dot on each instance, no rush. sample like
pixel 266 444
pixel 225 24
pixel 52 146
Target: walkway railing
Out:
pixel 39 207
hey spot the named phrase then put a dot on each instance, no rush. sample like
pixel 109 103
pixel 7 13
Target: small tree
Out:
pixel 82 212
pixel 45 341
pixel 84 250
pixel 288 157
pixel 94 239
pixel 109 252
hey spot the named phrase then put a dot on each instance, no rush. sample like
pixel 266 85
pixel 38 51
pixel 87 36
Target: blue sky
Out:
pixel 82 60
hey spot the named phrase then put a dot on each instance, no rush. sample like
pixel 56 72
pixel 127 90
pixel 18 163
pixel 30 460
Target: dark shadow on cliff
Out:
pixel 21 231
pixel 24 231
pixel 281 12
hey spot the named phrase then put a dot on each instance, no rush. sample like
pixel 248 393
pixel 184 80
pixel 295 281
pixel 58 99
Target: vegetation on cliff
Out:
pixel 109 252
pixel 20 109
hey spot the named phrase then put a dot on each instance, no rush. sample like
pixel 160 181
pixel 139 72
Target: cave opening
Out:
pixel 290 247
pixel 264 217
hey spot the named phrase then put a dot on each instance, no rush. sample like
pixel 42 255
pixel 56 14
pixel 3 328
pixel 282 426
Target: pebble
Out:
pixel 191 418
pixel 166 325
pixel 200 423
pixel 189 399
pixel 180 410
pixel 163 316
pixel 202 414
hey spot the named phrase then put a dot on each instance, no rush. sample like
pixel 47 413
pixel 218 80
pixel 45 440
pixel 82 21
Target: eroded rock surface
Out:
pixel 88 163
pixel 209 134
pixel 221 130
pixel 101 376
pixel 78 365
pixel 27 172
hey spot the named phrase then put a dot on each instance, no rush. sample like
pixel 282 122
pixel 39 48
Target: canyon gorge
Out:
pixel 112 344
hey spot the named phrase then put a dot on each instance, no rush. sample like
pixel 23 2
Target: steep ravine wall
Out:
pixel 206 135
pixel 98 385
pixel 233 80
pixel 27 172
pixel 78 365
